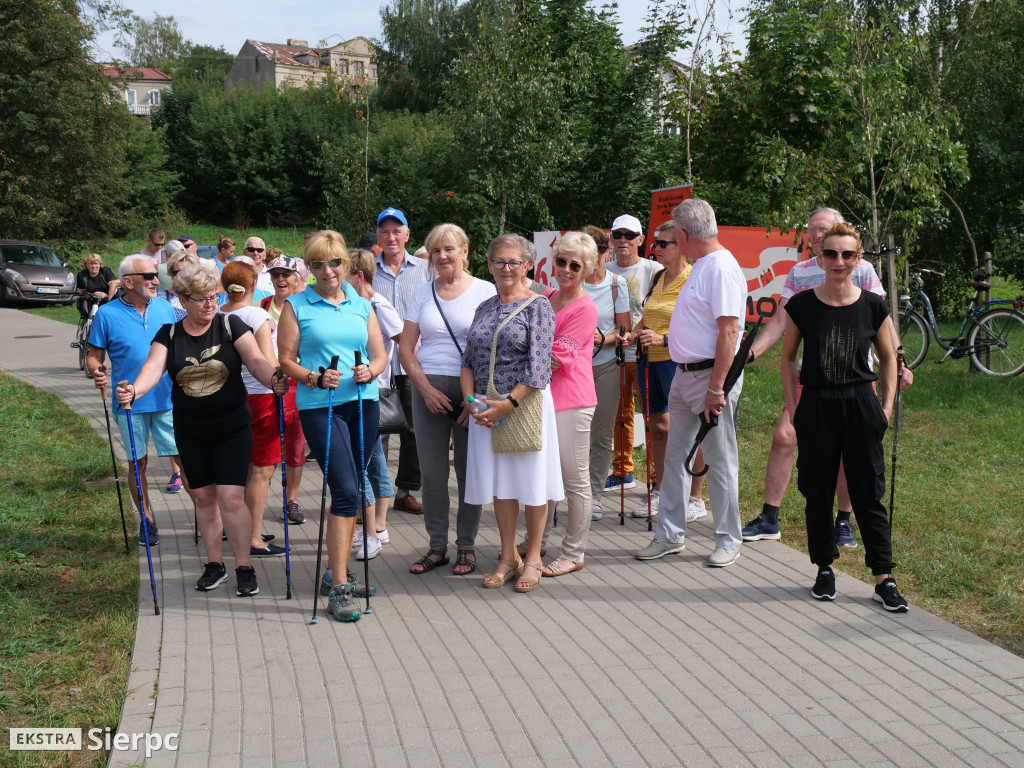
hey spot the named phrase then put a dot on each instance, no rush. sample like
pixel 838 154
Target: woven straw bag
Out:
pixel 523 429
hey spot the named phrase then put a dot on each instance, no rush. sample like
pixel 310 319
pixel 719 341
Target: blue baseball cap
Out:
pixel 393 213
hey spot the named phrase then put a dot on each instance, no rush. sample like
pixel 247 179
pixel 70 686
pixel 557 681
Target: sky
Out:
pixel 229 23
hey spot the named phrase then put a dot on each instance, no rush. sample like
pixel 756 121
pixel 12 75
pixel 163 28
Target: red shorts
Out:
pixel 266 431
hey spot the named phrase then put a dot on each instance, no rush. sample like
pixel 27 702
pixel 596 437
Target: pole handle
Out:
pixel 125 382
pixel 103 389
pixel 359 358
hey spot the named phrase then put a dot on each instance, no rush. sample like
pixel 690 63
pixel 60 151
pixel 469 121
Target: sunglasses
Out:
pixel 602 249
pixel 631 236
pixel 278 273
pixel 561 263
pixel 175 273
pixel 832 253
pixel 210 301
pixel 158 245
pixel 143 275
pixel 502 264
pixel 254 250
pixel 318 265
pixel 664 243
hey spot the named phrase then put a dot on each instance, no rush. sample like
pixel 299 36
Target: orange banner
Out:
pixel 662 202
pixel 765 258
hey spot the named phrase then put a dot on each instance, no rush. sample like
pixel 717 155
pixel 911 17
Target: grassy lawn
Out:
pixel 67 589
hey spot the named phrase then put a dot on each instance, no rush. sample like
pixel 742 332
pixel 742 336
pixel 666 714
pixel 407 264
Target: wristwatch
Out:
pixel 515 403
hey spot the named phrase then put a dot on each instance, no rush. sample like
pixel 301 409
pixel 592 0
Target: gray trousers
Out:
pixel 685 402
pixel 602 428
pixel 433 432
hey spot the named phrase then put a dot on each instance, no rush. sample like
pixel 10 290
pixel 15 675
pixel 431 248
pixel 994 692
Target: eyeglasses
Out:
pixel 631 236
pixel 144 275
pixel 832 253
pixel 208 301
pixel 602 249
pixel 561 263
pixel 662 244
pixel 254 250
pixel 502 264
pixel 318 265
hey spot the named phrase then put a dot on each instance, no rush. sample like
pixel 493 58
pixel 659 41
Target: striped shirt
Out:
pixel 807 274
pixel 658 310
pixel 398 290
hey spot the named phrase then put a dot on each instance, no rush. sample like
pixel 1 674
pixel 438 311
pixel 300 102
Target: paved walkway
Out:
pixel 622 664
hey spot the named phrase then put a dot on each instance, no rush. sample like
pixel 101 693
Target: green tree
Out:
pixel 202 63
pixel 157 43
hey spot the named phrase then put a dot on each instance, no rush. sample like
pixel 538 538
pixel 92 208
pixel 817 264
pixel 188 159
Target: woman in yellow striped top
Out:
pixel 652 333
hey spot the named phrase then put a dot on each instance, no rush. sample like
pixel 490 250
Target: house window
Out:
pixel 373 71
pixel 153 97
pixel 130 98
pixel 257 63
pixel 343 66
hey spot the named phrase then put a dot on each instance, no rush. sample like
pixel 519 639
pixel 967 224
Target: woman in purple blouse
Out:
pixel 522 365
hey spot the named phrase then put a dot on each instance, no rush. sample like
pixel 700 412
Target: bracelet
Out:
pixel 753 357
pixel 309 379
pixel 515 403
pixel 664 340
pixel 601 343
pixel 716 394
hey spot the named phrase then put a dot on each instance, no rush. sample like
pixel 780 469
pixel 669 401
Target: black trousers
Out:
pixel 408 477
pixel 851 429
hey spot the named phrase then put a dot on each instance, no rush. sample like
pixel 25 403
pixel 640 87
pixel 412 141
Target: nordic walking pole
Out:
pixel 362 488
pixel 113 460
pixel 643 359
pixel 897 422
pixel 323 497
pixel 620 358
pixel 284 502
pixel 142 504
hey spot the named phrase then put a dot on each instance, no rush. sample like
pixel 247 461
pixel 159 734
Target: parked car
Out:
pixel 31 273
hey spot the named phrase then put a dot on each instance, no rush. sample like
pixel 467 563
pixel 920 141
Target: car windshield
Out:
pixel 35 255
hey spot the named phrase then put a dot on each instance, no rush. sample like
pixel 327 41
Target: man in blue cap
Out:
pixel 398 275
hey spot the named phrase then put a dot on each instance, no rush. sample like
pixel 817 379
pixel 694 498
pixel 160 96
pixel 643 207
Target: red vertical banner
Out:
pixel 662 202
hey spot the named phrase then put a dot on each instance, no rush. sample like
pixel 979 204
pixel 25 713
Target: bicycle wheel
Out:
pixel 83 342
pixel 997 342
pixel 914 336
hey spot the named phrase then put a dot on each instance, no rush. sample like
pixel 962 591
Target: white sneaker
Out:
pixel 695 509
pixel 357 538
pixel 374 549
pixel 642 510
pixel 596 513
pixel 383 537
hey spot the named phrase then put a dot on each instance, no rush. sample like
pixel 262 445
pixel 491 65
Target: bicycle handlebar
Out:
pixel 929 271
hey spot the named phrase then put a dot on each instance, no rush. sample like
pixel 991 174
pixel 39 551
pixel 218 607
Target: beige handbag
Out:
pixel 523 429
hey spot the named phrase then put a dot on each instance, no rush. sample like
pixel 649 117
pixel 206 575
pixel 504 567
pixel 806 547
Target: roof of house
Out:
pixel 135 73
pixel 288 54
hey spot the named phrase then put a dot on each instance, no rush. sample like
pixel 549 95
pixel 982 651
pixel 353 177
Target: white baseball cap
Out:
pixel 631 223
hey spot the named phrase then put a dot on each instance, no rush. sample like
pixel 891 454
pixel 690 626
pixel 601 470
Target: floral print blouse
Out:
pixel 523 354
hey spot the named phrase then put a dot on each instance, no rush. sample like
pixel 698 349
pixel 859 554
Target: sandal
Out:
pixel 428 563
pixel 562 566
pixel 466 561
pixel 494 581
pixel 523 547
pixel 528 585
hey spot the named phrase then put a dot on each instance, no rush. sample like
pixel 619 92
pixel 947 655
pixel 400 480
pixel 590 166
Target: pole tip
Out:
pixel 313 620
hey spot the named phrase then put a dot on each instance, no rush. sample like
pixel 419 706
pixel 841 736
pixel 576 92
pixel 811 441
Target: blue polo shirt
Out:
pixel 326 330
pixel 126 336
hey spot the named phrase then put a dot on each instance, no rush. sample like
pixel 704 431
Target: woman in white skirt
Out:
pixel 522 365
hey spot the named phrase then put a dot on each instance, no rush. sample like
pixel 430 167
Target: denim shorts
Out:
pixel 378 483
pixel 159 424
pixel 662 373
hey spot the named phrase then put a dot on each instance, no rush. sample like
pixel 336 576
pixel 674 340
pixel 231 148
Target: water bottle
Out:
pixel 476 404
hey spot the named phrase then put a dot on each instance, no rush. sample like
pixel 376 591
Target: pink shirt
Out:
pixel 572 386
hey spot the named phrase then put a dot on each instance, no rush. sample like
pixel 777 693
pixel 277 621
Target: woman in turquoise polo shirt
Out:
pixel 329 318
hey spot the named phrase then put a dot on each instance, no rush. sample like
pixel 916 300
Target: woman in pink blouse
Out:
pixel 572 389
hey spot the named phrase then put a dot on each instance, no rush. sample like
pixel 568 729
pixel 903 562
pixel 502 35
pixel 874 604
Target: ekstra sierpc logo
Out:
pixel 65 739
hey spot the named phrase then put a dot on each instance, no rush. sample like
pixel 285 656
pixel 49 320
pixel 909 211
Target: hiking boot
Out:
pixel 723 557
pixel 641 511
pixel 154 538
pixel 175 485
pixel 759 528
pixel 340 604
pixel 614 482
pixel 245 575
pixel 295 517
pixel 844 534
pixel 658 549
pixel 695 509
pixel 327 581
pixel 825 585
pixel 890 597
pixel 213 576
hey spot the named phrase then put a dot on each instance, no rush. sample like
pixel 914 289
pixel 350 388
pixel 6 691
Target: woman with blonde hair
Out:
pixel 97 282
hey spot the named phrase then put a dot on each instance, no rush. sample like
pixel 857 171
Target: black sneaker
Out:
pixel 214 575
pixel 151 528
pixel 890 597
pixel 246 576
pixel 825 585
pixel 341 605
pixel 295 516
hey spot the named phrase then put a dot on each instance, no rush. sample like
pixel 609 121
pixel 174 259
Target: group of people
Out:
pixel 529 386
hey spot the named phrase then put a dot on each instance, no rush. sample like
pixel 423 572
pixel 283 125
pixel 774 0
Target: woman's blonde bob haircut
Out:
pixel 324 246
pixel 580 244
pixel 453 233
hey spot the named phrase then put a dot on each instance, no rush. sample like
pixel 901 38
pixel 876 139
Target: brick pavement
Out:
pixel 624 663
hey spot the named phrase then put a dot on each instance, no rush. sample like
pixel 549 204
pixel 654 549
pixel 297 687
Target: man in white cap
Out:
pixel 398 275
pixel 627 241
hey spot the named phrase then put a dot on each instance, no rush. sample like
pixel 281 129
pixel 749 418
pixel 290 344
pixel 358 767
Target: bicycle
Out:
pixel 991 334
pixel 81 342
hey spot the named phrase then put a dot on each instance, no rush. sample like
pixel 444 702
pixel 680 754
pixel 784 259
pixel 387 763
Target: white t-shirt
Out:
pixel 601 294
pixel 437 353
pixel 716 288
pixel 638 278
pixel 390 326
pixel 264 286
pixel 254 317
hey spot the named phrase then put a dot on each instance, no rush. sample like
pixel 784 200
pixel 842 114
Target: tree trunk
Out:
pixel 501 216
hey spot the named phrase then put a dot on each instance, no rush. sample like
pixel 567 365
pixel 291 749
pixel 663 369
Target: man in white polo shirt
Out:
pixel 702 339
